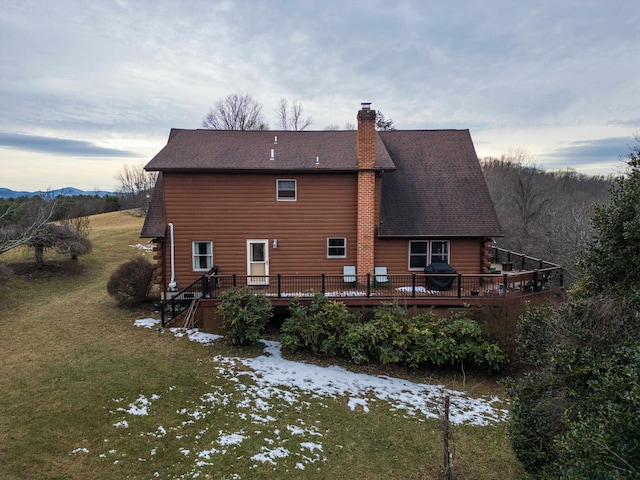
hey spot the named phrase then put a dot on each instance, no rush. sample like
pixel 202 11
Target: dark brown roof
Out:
pixel 432 186
pixel 213 150
pixel 437 189
pixel 154 225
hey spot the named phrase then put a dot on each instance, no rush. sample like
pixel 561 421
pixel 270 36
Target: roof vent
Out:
pixel 317 160
pixel 272 155
pixel 275 140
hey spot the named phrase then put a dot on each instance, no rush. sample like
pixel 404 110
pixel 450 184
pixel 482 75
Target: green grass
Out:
pixel 72 362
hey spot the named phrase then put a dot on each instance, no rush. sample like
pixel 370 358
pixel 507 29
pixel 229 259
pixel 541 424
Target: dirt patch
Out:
pixel 51 269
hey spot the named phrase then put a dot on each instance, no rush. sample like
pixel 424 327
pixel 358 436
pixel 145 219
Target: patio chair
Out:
pixel 381 277
pixel 349 275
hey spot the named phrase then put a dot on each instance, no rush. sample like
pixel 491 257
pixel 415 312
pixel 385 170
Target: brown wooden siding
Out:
pixel 229 209
pixel 465 255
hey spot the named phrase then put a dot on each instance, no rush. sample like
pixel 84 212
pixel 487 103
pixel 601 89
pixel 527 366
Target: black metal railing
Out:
pixel 180 302
pixel 537 275
pixel 404 285
pixel 518 261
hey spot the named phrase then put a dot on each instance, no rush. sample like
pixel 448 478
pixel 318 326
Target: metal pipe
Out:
pixel 172 283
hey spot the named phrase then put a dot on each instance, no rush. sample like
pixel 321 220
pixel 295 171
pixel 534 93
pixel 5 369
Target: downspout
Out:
pixel 172 283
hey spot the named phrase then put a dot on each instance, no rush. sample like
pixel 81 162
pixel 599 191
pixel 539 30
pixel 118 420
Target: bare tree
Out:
pixel 34 216
pixel 291 118
pixel 544 214
pixel 235 112
pixel 383 123
pixel 62 238
pixel 136 184
pixel 334 127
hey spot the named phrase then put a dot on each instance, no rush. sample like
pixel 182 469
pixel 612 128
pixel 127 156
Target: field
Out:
pixel 87 391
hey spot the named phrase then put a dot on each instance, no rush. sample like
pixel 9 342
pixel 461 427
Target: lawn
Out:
pixel 88 392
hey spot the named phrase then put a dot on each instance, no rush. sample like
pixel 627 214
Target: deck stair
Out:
pixel 190 316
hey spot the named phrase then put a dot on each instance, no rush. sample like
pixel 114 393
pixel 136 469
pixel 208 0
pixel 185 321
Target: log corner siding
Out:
pixel 286 211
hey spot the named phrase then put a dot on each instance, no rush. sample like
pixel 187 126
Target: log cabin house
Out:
pixel 325 210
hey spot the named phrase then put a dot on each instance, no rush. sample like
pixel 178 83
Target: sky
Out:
pixel 89 87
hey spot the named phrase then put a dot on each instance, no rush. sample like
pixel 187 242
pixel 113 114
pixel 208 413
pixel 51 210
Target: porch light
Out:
pixel 275 243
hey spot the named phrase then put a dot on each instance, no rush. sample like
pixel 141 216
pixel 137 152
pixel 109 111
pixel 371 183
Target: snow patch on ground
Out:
pixel 257 390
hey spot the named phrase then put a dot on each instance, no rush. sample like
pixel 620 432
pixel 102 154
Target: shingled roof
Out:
pixel 432 186
pixel 217 150
pixel 437 189
pixel 154 224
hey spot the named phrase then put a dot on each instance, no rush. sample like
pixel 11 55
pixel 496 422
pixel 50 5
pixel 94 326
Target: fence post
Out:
pixel 205 287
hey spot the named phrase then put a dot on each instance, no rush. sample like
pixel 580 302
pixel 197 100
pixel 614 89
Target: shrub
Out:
pixel 317 327
pixel 244 315
pixel 131 282
pixel 391 337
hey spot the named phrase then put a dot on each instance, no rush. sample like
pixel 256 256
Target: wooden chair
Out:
pixel 381 277
pixel 349 275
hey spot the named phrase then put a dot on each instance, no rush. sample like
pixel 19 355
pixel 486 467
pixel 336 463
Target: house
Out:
pixel 265 203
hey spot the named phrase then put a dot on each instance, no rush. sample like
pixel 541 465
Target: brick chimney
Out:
pixel 366 189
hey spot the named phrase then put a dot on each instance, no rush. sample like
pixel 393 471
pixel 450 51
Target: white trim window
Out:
pixel 336 247
pixel 439 251
pixel 286 190
pixel 425 252
pixel 202 256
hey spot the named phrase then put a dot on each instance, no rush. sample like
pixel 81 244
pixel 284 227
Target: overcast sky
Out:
pixel 89 86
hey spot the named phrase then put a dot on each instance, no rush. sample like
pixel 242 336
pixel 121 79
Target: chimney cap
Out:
pixel 366 105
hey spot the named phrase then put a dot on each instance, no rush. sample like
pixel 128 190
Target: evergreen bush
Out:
pixel 244 315
pixel 390 337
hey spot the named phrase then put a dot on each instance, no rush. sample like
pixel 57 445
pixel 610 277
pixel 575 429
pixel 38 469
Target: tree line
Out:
pixel 544 214
pixel 61 224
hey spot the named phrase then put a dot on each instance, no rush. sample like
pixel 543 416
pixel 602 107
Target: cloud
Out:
pixel 596 152
pixel 597 149
pixel 59 146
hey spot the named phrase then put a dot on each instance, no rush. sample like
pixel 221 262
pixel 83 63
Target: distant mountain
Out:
pixel 61 192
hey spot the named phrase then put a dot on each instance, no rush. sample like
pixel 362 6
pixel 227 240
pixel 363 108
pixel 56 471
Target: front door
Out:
pixel 258 262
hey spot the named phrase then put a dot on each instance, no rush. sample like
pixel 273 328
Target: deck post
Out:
pixel 459 285
pixel 205 287
pixel 368 284
pixel 279 285
pixel 536 287
pixel 322 283
pixel 413 285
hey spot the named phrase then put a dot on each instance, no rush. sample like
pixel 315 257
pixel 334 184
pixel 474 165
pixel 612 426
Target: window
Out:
pixel 439 251
pixel 287 190
pixel 202 255
pixel 336 247
pixel 424 252
pixel 418 255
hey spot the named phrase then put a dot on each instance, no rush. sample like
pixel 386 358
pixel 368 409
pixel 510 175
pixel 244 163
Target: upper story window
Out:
pixel 425 252
pixel 287 190
pixel 202 255
pixel 337 247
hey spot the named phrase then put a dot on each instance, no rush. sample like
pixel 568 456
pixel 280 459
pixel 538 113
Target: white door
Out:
pixel 258 262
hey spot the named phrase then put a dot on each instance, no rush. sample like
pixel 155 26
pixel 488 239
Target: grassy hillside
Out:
pixel 74 366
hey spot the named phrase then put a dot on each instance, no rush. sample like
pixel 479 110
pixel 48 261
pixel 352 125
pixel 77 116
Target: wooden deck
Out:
pixel 411 291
